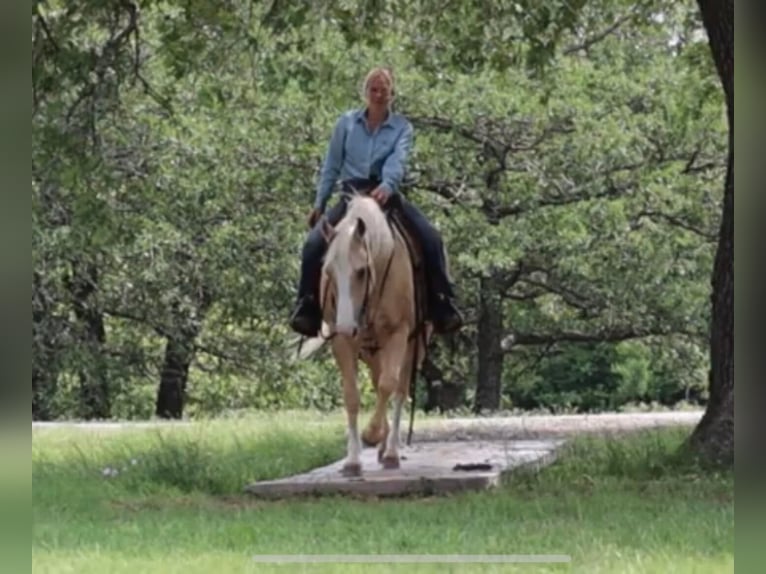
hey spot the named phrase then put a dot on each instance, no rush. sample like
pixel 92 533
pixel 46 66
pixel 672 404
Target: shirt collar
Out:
pixel 361 115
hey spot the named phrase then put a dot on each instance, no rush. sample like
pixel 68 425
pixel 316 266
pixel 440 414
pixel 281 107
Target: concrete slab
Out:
pixel 426 469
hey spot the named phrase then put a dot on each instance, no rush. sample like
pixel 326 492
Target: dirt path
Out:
pixel 474 428
pixel 539 426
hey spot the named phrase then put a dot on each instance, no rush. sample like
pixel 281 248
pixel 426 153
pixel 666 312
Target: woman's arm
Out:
pixel 394 166
pixel 332 164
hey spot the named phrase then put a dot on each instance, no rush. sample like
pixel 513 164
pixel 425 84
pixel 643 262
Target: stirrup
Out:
pixel 446 318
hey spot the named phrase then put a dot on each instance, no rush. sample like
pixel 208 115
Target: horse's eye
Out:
pixel 360 273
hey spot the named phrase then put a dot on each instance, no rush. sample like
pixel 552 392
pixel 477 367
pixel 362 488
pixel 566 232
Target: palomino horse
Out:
pixel 368 296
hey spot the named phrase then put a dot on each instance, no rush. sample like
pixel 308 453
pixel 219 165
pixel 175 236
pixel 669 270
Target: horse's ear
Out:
pixel 360 228
pixel 328 231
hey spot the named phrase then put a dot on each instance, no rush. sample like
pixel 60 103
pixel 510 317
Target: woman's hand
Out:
pixel 380 194
pixel 314 217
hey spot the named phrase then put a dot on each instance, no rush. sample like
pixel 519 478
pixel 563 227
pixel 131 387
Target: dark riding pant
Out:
pixel 433 248
pixel 313 251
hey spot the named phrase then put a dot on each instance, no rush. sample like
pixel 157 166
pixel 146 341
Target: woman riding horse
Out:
pixel 368 151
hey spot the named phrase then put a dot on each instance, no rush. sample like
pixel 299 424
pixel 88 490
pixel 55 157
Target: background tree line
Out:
pixel 571 153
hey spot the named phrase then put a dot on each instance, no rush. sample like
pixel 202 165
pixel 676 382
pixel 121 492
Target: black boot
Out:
pixel 442 311
pixel 307 317
pixel 445 316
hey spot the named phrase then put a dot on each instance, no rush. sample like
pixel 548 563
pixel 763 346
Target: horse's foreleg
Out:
pixel 345 356
pixel 393 361
pixel 390 457
pixel 400 397
pixel 377 428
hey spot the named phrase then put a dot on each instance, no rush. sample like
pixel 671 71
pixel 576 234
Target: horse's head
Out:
pixel 348 264
pixel 356 247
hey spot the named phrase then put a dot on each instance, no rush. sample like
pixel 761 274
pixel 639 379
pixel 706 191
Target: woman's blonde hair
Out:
pixel 386 73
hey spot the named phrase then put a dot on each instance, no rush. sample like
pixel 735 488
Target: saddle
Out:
pixel 419 279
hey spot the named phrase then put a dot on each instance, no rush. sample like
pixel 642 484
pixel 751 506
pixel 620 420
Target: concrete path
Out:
pixel 446 455
pixel 466 454
pixel 426 469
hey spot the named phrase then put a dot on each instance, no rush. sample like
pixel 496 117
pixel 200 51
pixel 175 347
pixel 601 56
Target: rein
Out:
pixel 416 333
pixel 365 302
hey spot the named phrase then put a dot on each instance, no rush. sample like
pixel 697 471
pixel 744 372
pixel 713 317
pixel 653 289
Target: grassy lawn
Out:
pixel 170 500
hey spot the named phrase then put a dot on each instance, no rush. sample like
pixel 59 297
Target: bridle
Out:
pixel 417 332
pixel 364 320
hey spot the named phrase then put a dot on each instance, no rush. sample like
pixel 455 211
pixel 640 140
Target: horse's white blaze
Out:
pixel 345 322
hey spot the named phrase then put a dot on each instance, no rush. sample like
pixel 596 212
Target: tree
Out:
pixel 175 149
pixel 714 436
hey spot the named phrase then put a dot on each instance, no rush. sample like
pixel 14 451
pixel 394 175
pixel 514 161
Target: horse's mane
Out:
pixel 378 238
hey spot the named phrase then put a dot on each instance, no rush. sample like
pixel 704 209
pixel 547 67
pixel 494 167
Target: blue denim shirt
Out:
pixel 355 152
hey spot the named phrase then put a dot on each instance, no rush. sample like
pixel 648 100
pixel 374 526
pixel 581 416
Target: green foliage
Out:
pixel 605 377
pixel 175 151
pixel 579 378
pixel 633 367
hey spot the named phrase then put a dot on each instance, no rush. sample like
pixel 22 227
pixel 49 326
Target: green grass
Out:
pixel 176 505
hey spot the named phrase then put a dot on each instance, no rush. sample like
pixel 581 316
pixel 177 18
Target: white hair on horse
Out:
pixel 374 231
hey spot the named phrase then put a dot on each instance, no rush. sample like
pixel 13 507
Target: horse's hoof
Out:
pixel 390 462
pixel 351 470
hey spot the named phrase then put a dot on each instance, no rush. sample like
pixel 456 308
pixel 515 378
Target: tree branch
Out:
pixel 46 29
pixel 605 335
pixel 445 125
pixel 569 296
pixel 447 190
pixel 510 278
pixel 611 190
pixel 152 93
pixel 526 296
pixel 598 37
pixel 675 222
pixel 122 314
pixel 108 54
pixel 505 140
pixel 531 366
pixel 556 195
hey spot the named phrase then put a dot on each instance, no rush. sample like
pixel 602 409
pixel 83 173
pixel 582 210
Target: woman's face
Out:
pixel 378 92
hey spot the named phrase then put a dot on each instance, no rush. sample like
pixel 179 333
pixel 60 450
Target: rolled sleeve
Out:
pixel 396 163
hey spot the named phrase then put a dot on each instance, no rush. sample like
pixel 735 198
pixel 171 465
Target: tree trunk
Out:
pixel 44 352
pixel 94 380
pixel 714 436
pixel 441 395
pixel 490 355
pixel 179 353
